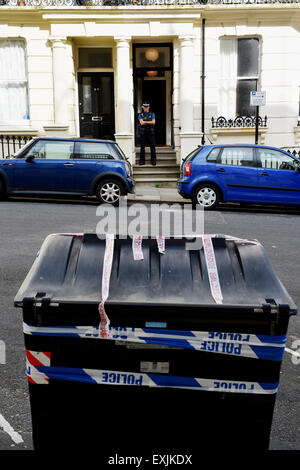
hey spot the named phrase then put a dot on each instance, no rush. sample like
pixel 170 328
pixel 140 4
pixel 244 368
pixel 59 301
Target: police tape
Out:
pixel 212 269
pixel 40 374
pixel 264 347
pixel 230 238
pixel 137 246
pixel 107 264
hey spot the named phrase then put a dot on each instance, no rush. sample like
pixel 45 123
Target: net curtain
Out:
pixel 13 83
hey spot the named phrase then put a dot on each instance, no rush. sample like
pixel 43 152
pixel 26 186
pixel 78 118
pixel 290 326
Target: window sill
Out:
pixel 18 131
pixel 216 132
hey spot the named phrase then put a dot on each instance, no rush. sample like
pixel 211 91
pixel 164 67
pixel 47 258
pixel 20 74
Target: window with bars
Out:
pixel 239 74
pixel 14 109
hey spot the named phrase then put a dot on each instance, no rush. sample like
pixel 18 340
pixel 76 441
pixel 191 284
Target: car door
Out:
pixel 92 158
pixel 279 177
pixel 237 173
pixel 50 167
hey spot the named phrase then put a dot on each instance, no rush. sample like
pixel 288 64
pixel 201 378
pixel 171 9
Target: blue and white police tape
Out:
pixel 265 347
pixel 37 374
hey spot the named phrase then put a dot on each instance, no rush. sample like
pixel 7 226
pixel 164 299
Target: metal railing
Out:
pixel 239 121
pixel 100 3
pixel 10 144
pixel 293 150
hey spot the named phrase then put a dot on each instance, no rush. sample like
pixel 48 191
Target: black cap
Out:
pixel 146 103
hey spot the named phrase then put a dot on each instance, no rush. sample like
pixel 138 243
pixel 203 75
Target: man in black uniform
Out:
pixel 147 123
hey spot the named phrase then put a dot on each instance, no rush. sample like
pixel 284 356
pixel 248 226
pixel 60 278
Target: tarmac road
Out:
pixel 24 224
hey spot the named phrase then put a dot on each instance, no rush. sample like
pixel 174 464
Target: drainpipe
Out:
pixel 203 81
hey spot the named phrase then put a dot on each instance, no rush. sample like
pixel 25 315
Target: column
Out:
pixel 124 97
pixel 59 86
pixel 186 84
pixel 188 138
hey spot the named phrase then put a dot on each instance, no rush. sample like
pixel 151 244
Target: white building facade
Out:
pixel 85 70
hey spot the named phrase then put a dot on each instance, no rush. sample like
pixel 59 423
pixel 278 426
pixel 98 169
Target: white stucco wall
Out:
pixel 278 30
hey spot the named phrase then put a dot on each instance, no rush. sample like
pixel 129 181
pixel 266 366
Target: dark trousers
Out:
pixel 147 134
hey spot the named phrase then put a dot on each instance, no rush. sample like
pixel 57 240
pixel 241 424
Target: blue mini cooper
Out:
pixel 240 173
pixel 68 166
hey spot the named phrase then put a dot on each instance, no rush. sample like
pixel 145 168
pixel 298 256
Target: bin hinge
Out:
pixel 37 304
pixel 270 310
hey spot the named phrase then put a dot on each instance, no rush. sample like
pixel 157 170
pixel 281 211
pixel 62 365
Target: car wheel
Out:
pixel 109 191
pixel 206 195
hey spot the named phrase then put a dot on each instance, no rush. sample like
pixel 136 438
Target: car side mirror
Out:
pixel 29 158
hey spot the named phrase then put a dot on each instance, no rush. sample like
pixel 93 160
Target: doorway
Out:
pixel 96 105
pixel 155 92
pixel 153 81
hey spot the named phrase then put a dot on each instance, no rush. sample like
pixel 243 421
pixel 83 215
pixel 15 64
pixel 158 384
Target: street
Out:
pixel 24 225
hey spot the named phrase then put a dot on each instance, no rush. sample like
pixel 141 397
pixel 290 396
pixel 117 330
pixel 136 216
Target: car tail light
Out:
pixel 187 169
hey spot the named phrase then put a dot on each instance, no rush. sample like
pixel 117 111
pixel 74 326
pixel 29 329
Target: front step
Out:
pixel 156 182
pixel 164 175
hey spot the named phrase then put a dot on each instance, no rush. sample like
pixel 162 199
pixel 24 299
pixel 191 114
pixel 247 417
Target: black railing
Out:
pixel 293 150
pixel 68 3
pixel 10 144
pixel 239 121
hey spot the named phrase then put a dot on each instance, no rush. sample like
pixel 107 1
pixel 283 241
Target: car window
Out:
pixel 95 151
pixel 20 152
pixel 119 151
pixel 275 160
pixel 213 155
pixel 238 156
pixel 52 149
pixel 191 155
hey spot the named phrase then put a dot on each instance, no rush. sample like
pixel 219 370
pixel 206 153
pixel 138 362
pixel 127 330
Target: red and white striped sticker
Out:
pixel 37 358
pixel 212 269
pixel 107 264
pixel 137 247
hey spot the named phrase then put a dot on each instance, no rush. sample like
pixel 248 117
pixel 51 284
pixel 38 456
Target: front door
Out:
pixel 155 92
pixel 96 105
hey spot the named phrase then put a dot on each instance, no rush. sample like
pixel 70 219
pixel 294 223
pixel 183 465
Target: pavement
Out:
pixel 152 194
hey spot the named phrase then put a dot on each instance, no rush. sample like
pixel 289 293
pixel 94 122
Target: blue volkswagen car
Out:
pixel 68 166
pixel 240 173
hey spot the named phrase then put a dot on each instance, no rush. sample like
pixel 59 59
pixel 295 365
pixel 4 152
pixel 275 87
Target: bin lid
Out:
pixel 68 269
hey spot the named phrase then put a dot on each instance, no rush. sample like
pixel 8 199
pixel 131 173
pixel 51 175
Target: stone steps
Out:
pixel 164 174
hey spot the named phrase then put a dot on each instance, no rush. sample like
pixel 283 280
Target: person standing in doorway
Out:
pixel 147 123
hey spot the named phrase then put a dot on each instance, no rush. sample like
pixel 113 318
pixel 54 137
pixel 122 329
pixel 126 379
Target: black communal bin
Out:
pixel 191 357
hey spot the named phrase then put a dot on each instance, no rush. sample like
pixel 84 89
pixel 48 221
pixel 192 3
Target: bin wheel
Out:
pixel 206 195
pixel 109 191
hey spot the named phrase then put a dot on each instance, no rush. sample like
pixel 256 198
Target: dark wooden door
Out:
pixel 96 105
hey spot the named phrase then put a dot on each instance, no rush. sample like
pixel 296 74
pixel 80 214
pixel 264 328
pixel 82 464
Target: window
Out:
pixel 192 155
pixel 152 56
pixel 95 57
pixel 275 160
pixel 95 151
pixel 13 83
pixel 239 68
pixel 213 155
pixel 52 150
pixel 238 156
